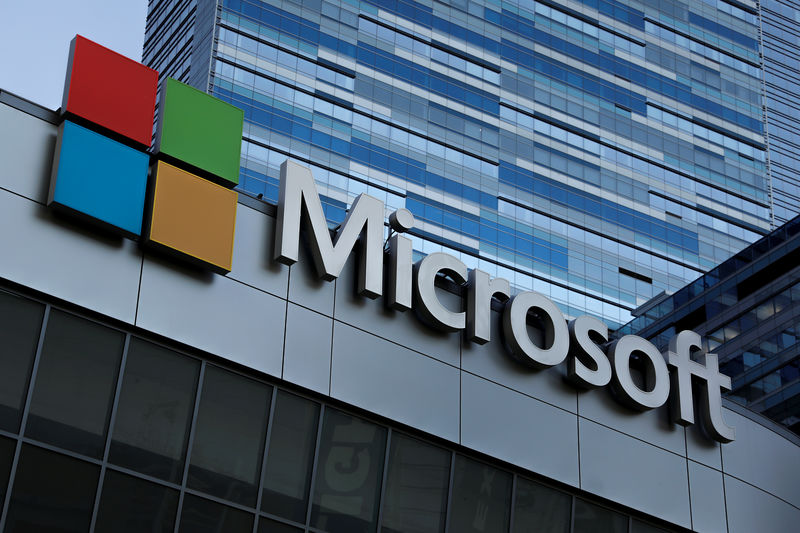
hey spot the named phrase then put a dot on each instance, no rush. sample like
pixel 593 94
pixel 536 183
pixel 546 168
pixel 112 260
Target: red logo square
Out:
pixel 110 90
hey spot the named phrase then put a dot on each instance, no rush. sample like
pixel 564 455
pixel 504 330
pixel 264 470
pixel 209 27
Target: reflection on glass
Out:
pixel 52 493
pixel 7 447
pixel 229 437
pixel 154 411
pixel 638 526
pixel 590 518
pixel 74 384
pixel 131 505
pixel 290 457
pixel 539 508
pixel 416 487
pixel 265 525
pixel 348 474
pixel 20 324
pixel 481 498
pixel 204 516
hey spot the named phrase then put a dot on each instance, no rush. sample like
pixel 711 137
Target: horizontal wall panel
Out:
pixel 252 253
pixel 652 426
pixel 307 355
pixel 702 449
pixel 401 327
pixel 708 499
pixel 27 145
pixel 634 473
pixel 751 509
pixel 67 260
pixel 519 429
pixel 307 289
pixel 753 457
pixel 493 362
pixel 213 313
pixel 390 380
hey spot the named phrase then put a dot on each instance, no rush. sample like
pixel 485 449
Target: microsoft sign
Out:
pixel 177 197
pixel 592 361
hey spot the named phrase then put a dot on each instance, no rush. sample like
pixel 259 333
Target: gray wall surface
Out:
pixel 286 323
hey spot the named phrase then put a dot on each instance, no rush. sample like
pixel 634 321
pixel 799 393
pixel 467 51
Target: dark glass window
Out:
pixel 155 407
pixel 204 516
pixel 52 493
pixel 131 505
pixel 481 498
pixel 229 438
pixel 541 509
pixel 7 448
pixel 348 474
pixel 265 525
pixel 416 487
pixel 591 518
pixel 643 527
pixel 290 457
pixel 75 384
pixel 20 324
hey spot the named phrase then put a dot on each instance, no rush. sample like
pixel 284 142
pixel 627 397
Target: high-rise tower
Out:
pixel 781 49
pixel 599 152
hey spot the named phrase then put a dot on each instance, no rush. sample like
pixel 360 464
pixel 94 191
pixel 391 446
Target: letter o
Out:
pixel 656 375
pixel 515 329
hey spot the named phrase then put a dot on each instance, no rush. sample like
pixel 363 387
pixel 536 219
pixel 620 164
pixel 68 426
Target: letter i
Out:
pixel 400 261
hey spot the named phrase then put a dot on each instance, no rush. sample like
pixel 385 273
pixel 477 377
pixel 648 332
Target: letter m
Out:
pixel 298 199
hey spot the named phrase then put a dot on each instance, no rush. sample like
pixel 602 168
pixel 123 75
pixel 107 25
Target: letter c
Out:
pixel 430 308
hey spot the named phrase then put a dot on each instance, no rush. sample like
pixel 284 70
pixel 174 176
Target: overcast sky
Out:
pixel 35 37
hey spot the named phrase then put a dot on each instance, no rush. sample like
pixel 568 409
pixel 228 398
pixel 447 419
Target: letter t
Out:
pixel 709 380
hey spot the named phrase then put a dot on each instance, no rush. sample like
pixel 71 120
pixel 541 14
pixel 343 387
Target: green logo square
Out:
pixel 201 130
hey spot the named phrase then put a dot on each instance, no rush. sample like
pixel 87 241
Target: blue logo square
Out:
pixel 99 178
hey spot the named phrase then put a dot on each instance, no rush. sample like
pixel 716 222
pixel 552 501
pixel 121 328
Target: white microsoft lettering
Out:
pixel 583 342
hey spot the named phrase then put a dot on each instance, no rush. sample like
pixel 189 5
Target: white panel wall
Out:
pixel 394 381
pixel 213 313
pixel 633 472
pixel 66 260
pixel 519 429
pixel 26 152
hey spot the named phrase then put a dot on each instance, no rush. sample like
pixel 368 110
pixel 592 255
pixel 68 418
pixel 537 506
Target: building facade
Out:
pixel 597 152
pixel 142 394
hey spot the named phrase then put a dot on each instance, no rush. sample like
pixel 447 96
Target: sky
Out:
pixel 35 38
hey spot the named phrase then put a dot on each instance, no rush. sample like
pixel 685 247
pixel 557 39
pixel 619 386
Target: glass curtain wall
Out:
pixel 105 431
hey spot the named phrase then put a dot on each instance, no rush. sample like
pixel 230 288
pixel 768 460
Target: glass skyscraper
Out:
pixel 598 151
pixel 781 51
pixel 747 310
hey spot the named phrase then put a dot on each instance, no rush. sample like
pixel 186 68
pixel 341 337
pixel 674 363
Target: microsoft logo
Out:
pixel 177 197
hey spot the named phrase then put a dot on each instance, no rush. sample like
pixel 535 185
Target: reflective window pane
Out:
pixel 7 448
pixel 20 324
pixel 643 527
pixel 265 525
pixel 290 457
pixel 481 498
pixel 591 518
pixel 416 487
pixel 131 505
pixel 229 438
pixel 204 516
pixel 75 384
pixel 348 474
pixel 541 509
pixel 155 408
pixel 52 493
